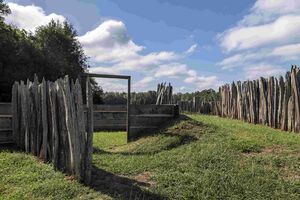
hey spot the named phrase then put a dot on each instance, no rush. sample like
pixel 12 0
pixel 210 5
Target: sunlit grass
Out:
pixel 200 157
pixel 207 157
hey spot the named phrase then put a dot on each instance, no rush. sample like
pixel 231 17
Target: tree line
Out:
pixel 142 98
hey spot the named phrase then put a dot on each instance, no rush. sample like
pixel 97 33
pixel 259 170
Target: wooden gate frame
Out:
pixel 128 78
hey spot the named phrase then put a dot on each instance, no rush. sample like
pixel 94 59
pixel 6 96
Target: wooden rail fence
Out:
pixel 48 121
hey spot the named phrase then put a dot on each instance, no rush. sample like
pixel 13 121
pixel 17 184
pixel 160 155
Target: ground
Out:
pixel 197 157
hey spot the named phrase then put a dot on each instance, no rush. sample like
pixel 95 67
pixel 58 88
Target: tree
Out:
pixel 58 43
pixel 4 10
pixel 19 59
pixel 52 52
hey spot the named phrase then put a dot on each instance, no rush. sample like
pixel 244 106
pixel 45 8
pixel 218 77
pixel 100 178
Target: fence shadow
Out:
pixel 183 130
pixel 12 148
pixel 119 187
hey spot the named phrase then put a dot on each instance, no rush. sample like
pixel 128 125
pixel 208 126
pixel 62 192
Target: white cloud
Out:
pixel 291 52
pixel 109 42
pixel 104 70
pixel 192 49
pixel 231 61
pixel 204 82
pixel 285 29
pixel 264 39
pixel 245 58
pixel 174 70
pixel 265 11
pixel 263 70
pixel 146 80
pixel 144 84
pixel 112 85
pixel 30 17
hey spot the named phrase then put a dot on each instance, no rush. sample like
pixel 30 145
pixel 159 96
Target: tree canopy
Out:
pixel 51 52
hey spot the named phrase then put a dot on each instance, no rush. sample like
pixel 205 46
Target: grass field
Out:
pixel 200 157
pixel 207 157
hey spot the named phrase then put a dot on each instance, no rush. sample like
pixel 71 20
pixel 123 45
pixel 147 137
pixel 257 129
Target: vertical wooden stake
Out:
pixel 128 108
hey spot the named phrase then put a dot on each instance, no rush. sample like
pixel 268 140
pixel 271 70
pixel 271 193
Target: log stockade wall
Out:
pixel 143 118
pixel 112 117
pixel 197 106
pixel 272 101
pixel 269 101
pixel 48 121
pixel 164 94
pixel 5 123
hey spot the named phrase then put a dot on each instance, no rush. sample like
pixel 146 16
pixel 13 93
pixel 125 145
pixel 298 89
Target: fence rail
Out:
pixel 48 121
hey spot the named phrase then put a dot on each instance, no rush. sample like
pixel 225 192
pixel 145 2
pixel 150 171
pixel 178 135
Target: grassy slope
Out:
pixel 24 177
pixel 208 157
pixel 203 157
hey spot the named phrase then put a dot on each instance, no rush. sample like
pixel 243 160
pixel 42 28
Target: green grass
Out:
pixel 200 157
pixel 207 157
pixel 23 176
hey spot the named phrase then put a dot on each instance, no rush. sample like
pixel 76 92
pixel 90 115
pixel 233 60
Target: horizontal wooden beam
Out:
pixel 107 76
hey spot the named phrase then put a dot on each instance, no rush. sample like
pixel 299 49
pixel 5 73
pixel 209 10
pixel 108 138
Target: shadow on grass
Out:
pixel 9 148
pixel 175 133
pixel 119 187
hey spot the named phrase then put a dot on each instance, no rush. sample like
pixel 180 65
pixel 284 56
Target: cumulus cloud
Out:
pixel 190 76
pixel 109 42
pixel 174 70
pixel 113 85
pixel 285 29
pixel 268 34
pixel 204 82
pixel 104 70
pixel 291 52
pixel 263 70
pixel 144 84
pixel 265 11
pixel 30 17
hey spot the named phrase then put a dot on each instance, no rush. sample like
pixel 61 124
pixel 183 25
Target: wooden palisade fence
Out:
pixel 164 94
pixel 197 106
pixel 273 101
pixel 270 101
pixel 48 121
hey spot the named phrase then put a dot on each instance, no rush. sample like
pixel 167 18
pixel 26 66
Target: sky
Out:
pixel 193 44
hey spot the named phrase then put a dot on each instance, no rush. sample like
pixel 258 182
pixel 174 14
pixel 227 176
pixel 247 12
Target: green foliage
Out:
pixel 114 98
pixel 53 51
pixel 204 96
pixel 4 10
pixel 63 53
pixel 120 98
pixel 143 98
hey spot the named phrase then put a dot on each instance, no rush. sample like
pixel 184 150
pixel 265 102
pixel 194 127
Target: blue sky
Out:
pixel 193 44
